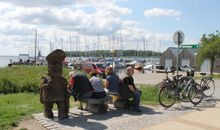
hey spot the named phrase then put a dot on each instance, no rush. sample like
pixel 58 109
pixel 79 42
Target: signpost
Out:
pixel 178 39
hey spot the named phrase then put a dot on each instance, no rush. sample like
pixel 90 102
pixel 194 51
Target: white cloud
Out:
pixel 105 20
pixel 156 12
pixel 58 3
pixel 56 20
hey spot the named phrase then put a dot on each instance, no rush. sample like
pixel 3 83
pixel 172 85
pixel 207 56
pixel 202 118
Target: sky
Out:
pixel 84 25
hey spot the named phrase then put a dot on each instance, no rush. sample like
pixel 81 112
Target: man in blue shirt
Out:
pixel 112 81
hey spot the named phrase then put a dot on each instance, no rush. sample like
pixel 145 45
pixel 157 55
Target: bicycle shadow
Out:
pixel 207 102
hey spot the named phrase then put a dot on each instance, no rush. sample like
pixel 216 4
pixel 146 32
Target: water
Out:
pixel 5 60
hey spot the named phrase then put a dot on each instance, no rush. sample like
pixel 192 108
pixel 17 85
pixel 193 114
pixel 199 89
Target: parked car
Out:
pixel 90 66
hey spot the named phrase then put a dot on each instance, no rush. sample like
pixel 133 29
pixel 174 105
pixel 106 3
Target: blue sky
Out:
pixel 197 16
pixel 120 24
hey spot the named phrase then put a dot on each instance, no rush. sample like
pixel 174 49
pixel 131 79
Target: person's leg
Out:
pixel 48 109
pixel 136 101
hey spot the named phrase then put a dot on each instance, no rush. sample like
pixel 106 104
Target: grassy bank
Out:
pixel 22 78
pixel 14 107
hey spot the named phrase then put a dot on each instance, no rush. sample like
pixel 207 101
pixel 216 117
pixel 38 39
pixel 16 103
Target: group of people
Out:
pixel 55 89
pixel 82 87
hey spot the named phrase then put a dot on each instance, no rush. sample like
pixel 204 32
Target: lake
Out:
pixel 5 60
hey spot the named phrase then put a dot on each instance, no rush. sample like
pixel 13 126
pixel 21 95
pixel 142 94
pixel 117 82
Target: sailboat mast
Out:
pixel 144 48
pixel 35 48
pixel 70 48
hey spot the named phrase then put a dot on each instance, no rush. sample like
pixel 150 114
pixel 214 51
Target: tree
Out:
pixel 209 49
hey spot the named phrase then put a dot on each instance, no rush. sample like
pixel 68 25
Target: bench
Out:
pixel 118 101
pixel 97 105
pixel 123 103
pixel 114 95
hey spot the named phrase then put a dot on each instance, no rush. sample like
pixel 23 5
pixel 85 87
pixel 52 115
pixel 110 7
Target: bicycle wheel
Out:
pixel 166 97
pixel 184 93
pixel 195 95
pixel 209 88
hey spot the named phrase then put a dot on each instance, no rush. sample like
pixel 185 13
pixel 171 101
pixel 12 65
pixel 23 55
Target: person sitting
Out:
pixel 112 80
pixel 80 87
pixel 112 83
pixel 129 90
pixel 97 84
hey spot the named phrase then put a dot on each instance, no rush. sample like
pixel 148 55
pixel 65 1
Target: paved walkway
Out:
pixel 207 119
pixel 206 116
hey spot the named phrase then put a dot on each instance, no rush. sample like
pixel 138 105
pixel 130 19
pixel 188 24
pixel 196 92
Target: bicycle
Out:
pixel 166 93
pixel 179 89
pixel 207 84
pixel 195 93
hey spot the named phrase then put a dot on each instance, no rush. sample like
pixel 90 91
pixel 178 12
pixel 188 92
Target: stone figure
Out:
pixel 54 86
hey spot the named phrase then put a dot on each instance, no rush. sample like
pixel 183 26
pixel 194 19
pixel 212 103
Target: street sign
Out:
pixel 178 37
pixel 189 46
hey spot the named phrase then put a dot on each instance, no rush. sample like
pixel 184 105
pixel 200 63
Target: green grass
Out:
pixel 13 107
pixel 22 78
pixel 149 95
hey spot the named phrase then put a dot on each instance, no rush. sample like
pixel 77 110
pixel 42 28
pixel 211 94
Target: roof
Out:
pixel 174 51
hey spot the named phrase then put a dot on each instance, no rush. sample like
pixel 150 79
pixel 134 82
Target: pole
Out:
pixel 70 48
pixel 177 65
pixel 144 48
pixel 35 48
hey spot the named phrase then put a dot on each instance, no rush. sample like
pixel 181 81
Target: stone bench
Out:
pixel 118 101
pixel 114 96
pixel 97 105
pixel 123 103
